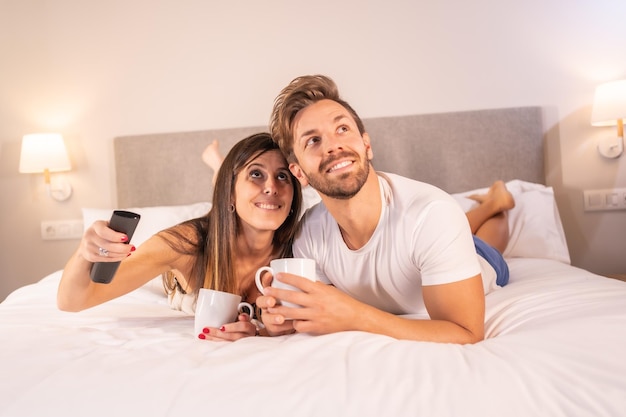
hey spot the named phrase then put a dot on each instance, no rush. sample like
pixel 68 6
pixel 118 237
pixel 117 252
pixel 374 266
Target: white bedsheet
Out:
pixel 556 346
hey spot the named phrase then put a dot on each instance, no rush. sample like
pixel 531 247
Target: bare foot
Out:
pixel 498 196
pixel 211 156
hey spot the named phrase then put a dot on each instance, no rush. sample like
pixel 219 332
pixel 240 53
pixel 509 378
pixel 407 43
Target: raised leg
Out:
pixel 489 220
pixel 211 156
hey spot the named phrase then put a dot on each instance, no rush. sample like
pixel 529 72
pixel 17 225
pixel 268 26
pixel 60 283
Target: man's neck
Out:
pixel 357 216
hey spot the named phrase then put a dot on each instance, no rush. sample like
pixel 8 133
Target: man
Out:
pixel 390 246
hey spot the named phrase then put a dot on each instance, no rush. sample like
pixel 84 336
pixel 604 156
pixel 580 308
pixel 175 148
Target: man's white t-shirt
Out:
pixel 422 238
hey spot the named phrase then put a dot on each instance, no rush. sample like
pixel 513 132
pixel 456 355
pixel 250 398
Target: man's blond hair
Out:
pixel 299 94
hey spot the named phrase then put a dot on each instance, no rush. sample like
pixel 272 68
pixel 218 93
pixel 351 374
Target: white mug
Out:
pixel 297 266
pixel 216 308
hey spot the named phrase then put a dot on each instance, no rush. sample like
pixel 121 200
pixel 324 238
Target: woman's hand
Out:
pixel 231 331
pixel 103 244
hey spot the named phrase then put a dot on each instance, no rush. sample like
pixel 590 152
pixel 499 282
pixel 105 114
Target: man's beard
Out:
pixel 344 186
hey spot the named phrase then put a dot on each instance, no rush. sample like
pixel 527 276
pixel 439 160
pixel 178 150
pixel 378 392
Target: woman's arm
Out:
pixel 77 292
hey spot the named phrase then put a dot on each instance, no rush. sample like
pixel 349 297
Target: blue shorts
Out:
pixel 495 259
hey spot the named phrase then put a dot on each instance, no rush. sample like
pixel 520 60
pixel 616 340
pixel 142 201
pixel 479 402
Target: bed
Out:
pixel 555 335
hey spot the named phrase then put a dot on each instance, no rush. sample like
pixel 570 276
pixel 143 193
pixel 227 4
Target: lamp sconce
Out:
pixel 46 153
pixel 609 109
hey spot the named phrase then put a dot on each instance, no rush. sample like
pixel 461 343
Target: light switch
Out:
pixel 607 199
pixel 612 200
pixel 595 200
pixel 61 229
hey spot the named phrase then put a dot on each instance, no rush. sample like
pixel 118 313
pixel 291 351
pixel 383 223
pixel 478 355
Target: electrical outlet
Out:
pixel 62 229
pixel 606 199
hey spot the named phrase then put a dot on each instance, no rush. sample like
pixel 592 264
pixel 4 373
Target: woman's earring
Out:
pixel 232 208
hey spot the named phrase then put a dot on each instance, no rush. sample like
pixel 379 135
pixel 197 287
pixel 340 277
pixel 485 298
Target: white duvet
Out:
pixel 556 346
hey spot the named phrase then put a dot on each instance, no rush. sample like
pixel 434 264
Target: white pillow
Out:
pixel 535 225
pixel 310 197
pixel 153 219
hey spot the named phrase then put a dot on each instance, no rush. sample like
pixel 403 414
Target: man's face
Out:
pixel 332 155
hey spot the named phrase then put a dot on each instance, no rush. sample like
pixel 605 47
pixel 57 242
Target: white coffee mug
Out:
pixel 297 266
pixel 216 308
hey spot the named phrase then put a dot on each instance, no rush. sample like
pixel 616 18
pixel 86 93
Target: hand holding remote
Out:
pixel 124 222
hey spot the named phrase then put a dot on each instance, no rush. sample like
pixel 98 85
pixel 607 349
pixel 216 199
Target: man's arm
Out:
pixel 456 310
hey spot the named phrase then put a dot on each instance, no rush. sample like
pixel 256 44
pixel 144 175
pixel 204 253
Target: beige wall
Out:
pixel 93 70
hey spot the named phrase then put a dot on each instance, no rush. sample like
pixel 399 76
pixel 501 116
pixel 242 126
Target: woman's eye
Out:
pixel 255 174
pixel 283 177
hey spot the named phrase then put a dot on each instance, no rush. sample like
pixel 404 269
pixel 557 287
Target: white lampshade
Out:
pixel 609 103
pixel 43 151
pixel 46 153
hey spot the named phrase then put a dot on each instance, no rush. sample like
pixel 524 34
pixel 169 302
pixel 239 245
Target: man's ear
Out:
pixel 368 147
pixel 299 174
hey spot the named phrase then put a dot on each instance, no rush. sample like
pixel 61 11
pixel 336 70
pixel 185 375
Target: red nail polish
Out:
pixel 206 330
pixel 133 248
pixel 222 329
pixel 124 238
pixel 201 336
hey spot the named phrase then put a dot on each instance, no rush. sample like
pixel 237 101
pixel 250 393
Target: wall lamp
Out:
pixel 46 153
pixel 609 109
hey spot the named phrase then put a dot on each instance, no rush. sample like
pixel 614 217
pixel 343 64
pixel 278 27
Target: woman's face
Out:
pixel 264 192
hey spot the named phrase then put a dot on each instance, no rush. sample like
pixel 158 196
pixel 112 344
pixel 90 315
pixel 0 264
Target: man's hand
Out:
pixel 275 324
pixel 324 309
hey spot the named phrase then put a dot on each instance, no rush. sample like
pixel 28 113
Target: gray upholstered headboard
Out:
pixel 455 151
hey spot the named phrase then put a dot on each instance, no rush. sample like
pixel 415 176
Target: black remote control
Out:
pixel 121 221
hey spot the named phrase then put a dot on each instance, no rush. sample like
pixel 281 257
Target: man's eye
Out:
pixel 342 129
pixel 312 141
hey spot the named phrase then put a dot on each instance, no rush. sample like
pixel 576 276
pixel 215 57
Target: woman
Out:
pixel 256 203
